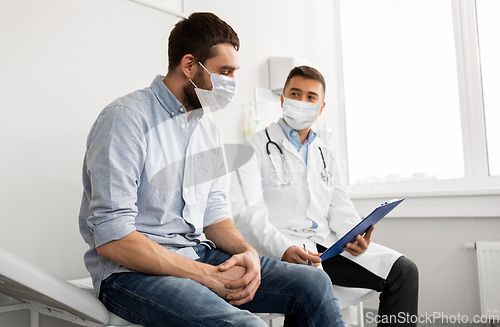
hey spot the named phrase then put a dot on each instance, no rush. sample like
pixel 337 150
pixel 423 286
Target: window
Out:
pixel 401 91
pixel 488 12
pixel 413 96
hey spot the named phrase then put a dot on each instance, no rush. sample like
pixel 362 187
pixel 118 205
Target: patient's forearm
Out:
pixel 135 251
pixel 227 237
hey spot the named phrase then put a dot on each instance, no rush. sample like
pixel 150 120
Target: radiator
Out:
pixel 488 262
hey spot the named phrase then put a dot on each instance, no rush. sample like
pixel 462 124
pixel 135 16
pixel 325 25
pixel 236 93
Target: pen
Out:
pixel 305 249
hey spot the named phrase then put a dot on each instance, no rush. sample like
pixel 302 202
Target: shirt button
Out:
pixel 183 126
pixel 181 109
pixel 173 113
pixel 294 134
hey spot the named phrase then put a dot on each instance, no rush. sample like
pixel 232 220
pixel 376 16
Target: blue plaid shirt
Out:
pixel 150 168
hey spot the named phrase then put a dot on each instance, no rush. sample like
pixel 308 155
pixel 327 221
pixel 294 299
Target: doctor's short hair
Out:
pixel 307 72
pixel 198 35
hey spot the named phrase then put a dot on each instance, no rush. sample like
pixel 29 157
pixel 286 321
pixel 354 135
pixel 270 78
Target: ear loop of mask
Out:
pixel 204 68
pixel 199 62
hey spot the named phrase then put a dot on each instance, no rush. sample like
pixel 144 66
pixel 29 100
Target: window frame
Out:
pixel 475 195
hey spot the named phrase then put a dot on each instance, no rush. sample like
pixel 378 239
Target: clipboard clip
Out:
pixel 389 202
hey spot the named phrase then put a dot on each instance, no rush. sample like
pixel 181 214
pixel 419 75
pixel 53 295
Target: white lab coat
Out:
pixel 273 217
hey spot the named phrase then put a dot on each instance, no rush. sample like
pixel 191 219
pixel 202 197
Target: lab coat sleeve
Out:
pixel 342 216
pixel 250 212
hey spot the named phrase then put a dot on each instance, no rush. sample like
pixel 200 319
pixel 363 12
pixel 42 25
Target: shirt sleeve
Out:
pixel 114 162
pixel 217 203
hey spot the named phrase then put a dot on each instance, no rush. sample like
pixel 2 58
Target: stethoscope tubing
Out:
pixel 324 174
pixel 269 142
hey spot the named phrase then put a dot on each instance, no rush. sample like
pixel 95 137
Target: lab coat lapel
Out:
pixel 287 146
pixel 314 161
pixel 277 135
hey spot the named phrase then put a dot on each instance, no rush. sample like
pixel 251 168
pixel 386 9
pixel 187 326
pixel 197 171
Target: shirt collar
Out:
pixel 293 136
pixel 168 101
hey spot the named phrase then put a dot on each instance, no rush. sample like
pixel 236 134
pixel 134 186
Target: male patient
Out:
pixel 152 186
pixel 292 197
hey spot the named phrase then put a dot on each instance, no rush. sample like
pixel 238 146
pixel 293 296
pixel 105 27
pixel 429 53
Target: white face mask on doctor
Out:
pixel 223 91
pixel 300 115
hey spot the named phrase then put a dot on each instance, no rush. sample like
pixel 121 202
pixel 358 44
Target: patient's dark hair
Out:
pixel 198 35
pixel 307 72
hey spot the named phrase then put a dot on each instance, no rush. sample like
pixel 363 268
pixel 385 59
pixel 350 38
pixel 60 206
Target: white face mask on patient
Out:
pixel 300 115
pixel 223 91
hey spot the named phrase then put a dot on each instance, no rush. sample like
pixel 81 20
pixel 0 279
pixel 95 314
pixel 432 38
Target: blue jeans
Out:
pixel 291 289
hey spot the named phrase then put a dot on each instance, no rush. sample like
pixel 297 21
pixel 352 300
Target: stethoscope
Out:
pixel 325 174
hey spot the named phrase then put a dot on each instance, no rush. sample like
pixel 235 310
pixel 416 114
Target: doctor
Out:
pixel 290 196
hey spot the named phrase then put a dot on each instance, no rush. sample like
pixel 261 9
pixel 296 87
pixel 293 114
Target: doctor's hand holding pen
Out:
pixel 300 255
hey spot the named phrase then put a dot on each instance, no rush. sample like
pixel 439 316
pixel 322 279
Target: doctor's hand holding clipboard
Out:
pixel 361 244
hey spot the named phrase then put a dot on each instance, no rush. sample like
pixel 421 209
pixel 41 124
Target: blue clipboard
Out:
pixel 374 217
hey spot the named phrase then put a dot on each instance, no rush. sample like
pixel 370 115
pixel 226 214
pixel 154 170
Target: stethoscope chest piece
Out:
pixel 325 175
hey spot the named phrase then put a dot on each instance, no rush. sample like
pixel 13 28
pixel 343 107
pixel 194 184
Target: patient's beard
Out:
pixel 190 94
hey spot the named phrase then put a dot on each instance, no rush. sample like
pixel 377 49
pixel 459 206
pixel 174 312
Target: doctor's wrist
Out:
pixel 287 254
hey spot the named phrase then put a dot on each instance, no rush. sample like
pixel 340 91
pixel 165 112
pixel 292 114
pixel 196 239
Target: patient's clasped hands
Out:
pixel 237 279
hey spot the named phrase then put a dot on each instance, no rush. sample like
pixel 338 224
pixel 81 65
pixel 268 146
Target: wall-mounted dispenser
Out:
pixel 279 67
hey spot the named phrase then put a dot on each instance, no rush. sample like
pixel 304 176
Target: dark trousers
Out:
pixel 398 292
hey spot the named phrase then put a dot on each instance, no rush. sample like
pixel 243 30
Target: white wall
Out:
pixel 62 61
